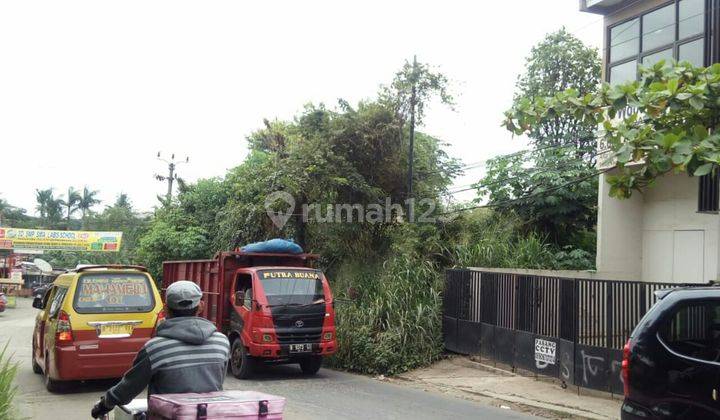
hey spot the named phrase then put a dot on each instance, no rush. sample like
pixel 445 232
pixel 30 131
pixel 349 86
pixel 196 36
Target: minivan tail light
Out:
pixel 160 318
pixel 64 329
pixel 625 368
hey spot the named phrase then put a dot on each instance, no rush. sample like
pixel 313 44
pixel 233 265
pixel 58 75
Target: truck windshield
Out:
pixel 292 287
pixel 106 292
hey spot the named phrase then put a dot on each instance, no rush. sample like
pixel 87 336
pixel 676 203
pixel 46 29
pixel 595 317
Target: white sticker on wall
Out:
pixel 545 351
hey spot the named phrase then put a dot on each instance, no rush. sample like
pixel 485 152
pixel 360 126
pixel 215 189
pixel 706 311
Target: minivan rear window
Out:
pixel 113 292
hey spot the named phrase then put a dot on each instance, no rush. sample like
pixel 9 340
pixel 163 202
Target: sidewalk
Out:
pixel 543 397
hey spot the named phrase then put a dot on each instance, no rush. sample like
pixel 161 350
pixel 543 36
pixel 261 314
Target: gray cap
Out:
pixel 183 294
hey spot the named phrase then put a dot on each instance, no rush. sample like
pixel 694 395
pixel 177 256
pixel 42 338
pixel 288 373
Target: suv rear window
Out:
pixel 113 292
pixel 694 330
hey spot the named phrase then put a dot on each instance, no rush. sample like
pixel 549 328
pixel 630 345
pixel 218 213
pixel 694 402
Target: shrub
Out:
pixel 393 324
pixel 8 369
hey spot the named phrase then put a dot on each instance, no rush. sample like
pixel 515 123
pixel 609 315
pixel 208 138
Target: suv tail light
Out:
pixel 63 333
pixel 625 368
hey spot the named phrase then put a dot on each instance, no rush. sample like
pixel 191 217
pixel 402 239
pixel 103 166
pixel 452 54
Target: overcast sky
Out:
pixel 90 91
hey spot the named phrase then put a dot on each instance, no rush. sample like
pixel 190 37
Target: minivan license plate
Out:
pixel 116 330
pixel 300 348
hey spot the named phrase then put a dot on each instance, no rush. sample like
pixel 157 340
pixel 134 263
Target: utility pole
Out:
pixel 172 176
pixel 412 134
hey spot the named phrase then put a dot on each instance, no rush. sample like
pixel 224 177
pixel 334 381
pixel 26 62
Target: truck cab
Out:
pixel 280 314
pixel 275 308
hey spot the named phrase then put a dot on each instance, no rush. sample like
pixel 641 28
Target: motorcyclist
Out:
pixel 187 354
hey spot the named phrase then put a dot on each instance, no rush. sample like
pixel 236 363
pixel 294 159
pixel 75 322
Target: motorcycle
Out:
pixel 135 410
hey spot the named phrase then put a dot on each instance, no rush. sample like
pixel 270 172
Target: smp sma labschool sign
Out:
pixel 60 240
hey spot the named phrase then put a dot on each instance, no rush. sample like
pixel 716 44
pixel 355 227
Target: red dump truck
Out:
pixel 274 308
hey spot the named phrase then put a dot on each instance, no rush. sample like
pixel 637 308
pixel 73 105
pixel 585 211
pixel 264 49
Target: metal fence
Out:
pixel 573 329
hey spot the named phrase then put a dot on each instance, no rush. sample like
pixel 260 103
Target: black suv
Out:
pixel 671 364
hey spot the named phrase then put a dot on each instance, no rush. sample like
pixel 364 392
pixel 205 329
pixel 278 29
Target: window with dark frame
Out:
pixel 675 30
pixel 709 193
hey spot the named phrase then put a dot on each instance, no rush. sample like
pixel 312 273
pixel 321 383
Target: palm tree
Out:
pixel 54 210
pixel 87 201
pixel 72 202
pixel 43 197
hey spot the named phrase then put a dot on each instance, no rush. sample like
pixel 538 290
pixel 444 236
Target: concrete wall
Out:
pixel 657 235
pixel 619 234
pixel 679 244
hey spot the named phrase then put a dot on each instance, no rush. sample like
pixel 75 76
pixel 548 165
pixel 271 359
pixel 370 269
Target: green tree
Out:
pixel 71 204
pixel 557 63
pixel 202 201
pixel 663 123
pixel 428 84
pixel 87 201
pixel 11 215
pixel 43 198
pixel 171 235
pixel 49 207
pixel 530 185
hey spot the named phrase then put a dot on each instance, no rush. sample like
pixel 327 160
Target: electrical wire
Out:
pixel 482 163
pixel 528 196
pixel 533 170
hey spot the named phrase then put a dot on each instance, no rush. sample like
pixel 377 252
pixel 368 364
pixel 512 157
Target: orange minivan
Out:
pixel 92 322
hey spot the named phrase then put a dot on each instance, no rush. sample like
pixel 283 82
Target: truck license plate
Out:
pixel 300 348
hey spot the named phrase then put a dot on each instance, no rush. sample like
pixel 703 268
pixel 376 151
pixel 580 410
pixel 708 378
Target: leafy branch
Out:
pixel 660 124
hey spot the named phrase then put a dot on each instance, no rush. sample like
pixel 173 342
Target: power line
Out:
pixel 533 170
pixel 528 196
pixel 482 163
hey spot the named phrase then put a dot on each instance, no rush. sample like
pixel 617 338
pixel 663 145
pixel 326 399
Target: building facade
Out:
pixel 671 231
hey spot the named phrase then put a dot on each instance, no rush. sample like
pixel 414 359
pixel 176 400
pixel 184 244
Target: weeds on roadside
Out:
pixel 8 370
pixel 394 322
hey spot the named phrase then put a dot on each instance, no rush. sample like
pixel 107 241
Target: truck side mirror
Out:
pixel 38 302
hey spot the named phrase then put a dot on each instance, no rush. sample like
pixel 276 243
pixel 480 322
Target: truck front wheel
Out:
pixel 311 365
pixel 241 363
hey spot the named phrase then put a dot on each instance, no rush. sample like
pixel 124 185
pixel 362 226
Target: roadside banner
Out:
pixel 61 240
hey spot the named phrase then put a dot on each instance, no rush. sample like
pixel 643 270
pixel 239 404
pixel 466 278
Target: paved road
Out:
pixel 329 395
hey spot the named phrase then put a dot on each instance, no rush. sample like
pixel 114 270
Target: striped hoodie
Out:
pixel 187 355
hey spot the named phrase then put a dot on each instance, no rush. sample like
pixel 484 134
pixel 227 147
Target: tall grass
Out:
pixel 8 370
pixel 531 251
pixel 393 324
pixel 390 321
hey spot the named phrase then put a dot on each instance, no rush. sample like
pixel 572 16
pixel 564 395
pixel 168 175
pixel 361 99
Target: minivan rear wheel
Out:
pixel 35 366
pixel 241 363
pixel 51 384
